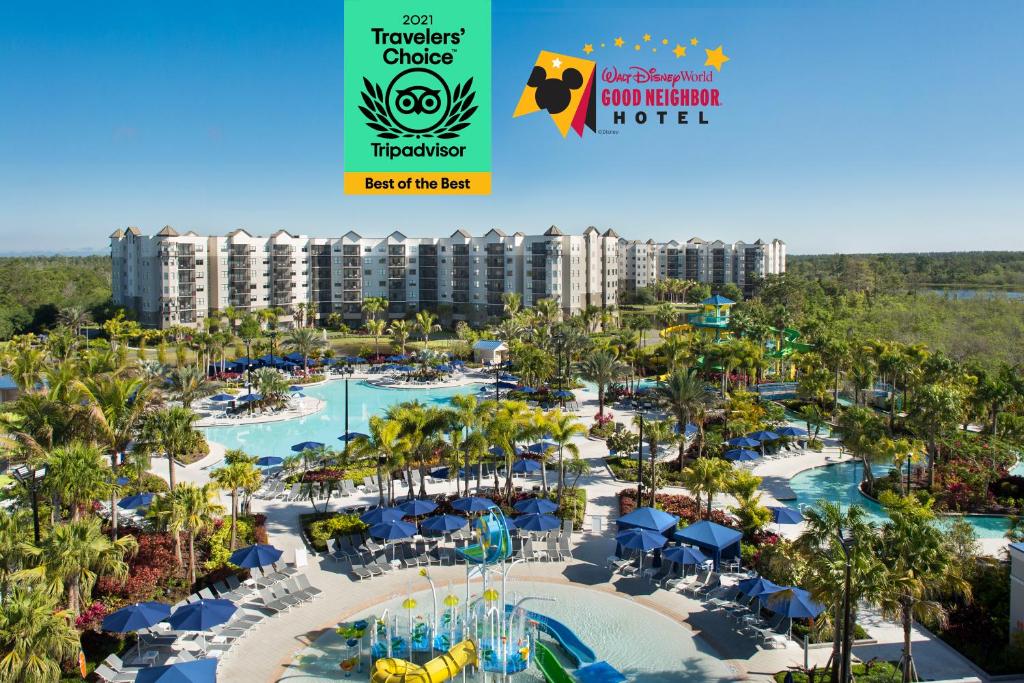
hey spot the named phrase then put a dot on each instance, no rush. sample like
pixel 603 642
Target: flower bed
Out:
pixel 684 507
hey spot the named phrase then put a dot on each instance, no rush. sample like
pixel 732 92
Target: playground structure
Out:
pixel 476 637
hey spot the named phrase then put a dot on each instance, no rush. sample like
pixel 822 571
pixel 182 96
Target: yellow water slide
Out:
pixel 438 669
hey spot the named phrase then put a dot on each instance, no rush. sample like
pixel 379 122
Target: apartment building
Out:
pixel 172 278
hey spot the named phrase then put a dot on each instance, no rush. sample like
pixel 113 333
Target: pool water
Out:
pixel 364 400
pixel 839 482
pixel 641 643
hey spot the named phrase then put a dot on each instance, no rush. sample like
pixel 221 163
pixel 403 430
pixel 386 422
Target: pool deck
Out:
pixel 263 655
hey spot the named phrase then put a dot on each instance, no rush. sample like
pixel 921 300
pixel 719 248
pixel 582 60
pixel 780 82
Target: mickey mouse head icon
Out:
pixel 554 94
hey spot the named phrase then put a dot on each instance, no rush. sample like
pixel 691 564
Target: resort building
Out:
pixel 174 278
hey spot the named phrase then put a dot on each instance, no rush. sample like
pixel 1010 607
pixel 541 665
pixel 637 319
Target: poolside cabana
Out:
pixel 490 351
pixel 647 518
pixel 717 541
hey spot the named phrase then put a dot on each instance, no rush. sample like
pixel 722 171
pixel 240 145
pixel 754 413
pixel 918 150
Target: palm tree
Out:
pixel 708 476
pixel 467 414
pixel 578 467
pixel 656 432
pixel 427 323
pixel 35 637
pixel 752 515
pixel 172 431
pixel 187 383
pixel 237 477
pixel 76 476
pixel 376 328
pixel 74 317
pixel 420 427
pixel 374 305
pixel 400 331
pixel 687 398
pixel 271 384
pixel 73 556
pixel 195 512
pixel 14 534
pixel 512 304
pixel 562 429
pixel 919 569
pixel 603 369
pixel 384 445
pixel 304 341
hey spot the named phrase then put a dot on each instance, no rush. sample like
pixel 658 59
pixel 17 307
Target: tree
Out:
pixel 304 341
pixel 562 429
pixel 426 322
pixel 686 396
pixel 467 413
pixel 420 427
pixel 194 511
pixel 237 477
pixel 72 557
pixel 752 515
pixel 14 535
pixel 937 409
pixel 35 637
pixel 384 445
pixel 603 369
pixel 865 436
pixel 656 433
pixel 919 569
pixel 578 467
pixel 708 476
pixel 76 476
pixel 172 431
pixel 400 331
pixel 187 383
pixel 374 305
pixel 376 329
pixel 512 304
pixel 534 365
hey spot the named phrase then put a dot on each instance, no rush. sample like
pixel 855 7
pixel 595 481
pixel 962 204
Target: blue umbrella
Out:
pixel 741 455
pixel 506 377
pixel 259 555
pixel 763 435
pixel 196 671
pixel 689 430
pixel 201 615
pixel 445 367
pixel 684 554
pixel 472 504
pixel 393 531
pixel 791 431
pixel 134 617
pixel 350 436
pixel 793 602
pixel 562 393
pixel 443 524
pixel 526 390
pixel 541 446
pixel 404 368
pixel 757 586
pixel 122 481
pixel 785 515
pixel 640 539
pixel 537 522
pixel 743 442
pixel 496 451
pixel 295 387
pixel 139 500
pixel 525 466
pixel 306 445
pixel 269 461
pixel 536 506
pixel 250 397
pixel 381 515
pixel 222 397
pixel 418 507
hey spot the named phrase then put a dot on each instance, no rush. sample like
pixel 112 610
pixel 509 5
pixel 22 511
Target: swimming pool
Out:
pixel 642 644
pixel 838 483
pixel 276 438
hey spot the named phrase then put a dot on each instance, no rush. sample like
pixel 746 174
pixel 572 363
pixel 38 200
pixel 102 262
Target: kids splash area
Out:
pixel 494 629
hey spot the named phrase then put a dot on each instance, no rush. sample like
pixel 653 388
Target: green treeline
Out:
pixel 978 269
pixel 34 289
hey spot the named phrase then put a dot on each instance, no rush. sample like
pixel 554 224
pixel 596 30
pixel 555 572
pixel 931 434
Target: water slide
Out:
pixel 565 636
pixel 494 541
pixel 442 668
pixel 549 665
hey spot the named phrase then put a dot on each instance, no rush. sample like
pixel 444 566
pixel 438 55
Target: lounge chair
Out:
pixel 111 676
pixel 701 580
pixel 370 485
pixel 303 583
pixel 713 583
pixel 552 550
pixel 207 594
pixel 361 571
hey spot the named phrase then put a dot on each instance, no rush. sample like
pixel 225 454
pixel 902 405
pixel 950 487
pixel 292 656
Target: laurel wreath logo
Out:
pixel 378 117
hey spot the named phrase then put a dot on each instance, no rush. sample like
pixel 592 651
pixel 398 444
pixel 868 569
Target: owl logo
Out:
pixel 418 103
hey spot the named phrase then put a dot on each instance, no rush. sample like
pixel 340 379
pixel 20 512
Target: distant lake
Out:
pixel 976 293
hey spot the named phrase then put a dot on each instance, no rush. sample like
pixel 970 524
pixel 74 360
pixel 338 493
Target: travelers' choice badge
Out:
pixel 418 97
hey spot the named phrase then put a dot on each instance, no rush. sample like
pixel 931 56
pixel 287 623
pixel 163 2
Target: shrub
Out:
pixel 318 532
pixel 574 507
pixel 150 572
pixel 218 543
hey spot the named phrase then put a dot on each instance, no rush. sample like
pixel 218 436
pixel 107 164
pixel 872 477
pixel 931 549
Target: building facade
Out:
pixel 174 278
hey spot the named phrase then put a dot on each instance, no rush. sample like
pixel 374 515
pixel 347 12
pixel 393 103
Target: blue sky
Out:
pixel 847 126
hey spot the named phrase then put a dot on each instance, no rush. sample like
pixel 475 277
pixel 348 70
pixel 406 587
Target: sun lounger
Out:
pixel 111 676
pixel 564 545
pixel 701 580
pixel 370 485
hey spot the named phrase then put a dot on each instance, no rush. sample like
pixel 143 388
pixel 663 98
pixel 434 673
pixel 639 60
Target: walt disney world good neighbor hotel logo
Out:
pixel 652 81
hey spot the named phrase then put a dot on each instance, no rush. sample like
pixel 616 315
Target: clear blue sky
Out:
pixel 848 126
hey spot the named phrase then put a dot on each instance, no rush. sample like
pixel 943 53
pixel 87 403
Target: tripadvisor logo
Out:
pixel 417 104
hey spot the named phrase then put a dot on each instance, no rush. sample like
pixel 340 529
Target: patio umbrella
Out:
pixel 506 377
pixel 201 615
pixel 443 524
pixel 417 507
pixel 562 393
pixel 393 531
pixel 139 500
pixel 134 617
pixel 763 435
pixel 250 397
pixel 350 436
pixel 473 504
pixel 526 390
pixel 445 367
pixel 537 522
pixel 295 387
pixel 541 446
pixel 536 506
pixel 222 397
pixel 381 515
pixel 743 442
pixel 306 445
pixel 684 555
pixel 404 368
pixel 196 671
pixel 496 451
pixel 647 518
pixel 269 461
pixel 791 431
pixel 782 514
pixel 524 466
pixel 252 556
pixel 757 586
pixel 741 455
pixel 644 540
pixel 795 603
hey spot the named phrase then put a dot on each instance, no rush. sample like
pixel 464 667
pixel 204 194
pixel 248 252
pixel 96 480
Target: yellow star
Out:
pixel 716 58
pixel 637 46
pixel 664 41
pixel 588 48
pixel 693 41
pixel 647 37
pixel 680 51
pixel 619 41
